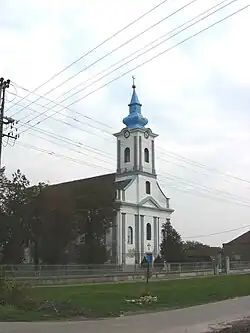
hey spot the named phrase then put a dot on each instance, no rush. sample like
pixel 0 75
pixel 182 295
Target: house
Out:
pixel 238 248
pixel 203 254
pixel 141 205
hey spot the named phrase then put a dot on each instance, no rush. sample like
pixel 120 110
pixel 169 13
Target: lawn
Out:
pixel 92 301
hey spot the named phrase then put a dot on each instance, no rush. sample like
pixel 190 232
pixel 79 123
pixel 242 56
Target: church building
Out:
pixel 141 205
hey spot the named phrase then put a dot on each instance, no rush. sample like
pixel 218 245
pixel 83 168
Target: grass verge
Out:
pixel 93 301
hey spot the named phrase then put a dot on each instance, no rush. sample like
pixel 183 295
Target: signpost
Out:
pixel 149 258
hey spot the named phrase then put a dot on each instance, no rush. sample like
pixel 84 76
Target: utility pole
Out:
pixel 4 84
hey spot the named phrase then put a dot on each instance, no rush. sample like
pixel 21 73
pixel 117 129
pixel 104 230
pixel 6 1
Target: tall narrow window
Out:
pixel 146 155
pixel 127 155
pixel 148 187
pixel 130 235
pixel 149 231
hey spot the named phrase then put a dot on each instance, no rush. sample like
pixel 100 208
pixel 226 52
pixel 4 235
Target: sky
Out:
pixel 195 95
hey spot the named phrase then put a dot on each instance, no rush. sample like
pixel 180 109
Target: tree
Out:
pixel 93 226
pixel 94 219
pixel 48 224
pixel 13 196
pixel 17 193
pixel 172 245
pixel 194 245
pixel 3 190
pixel 58 227
pixel 11 241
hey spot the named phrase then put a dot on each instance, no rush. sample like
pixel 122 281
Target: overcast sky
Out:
pixel 196 97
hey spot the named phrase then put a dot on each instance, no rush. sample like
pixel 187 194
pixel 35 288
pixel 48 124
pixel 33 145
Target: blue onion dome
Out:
pixel 135 119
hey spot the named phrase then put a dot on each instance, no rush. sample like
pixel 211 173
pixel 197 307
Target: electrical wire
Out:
pixel 166 153
pixel 112 157
pixel 52 153
pixel 182 180
pixel 65 115
pixel 115 49
pixel 218 233
pixel 99 45
pixel 229 197
pixel 207 189
pixel 141 49
pixel 133 53
pixel 199 165
pixel 96 166
pixel 9 92
pixel 146 51
pixel 147 61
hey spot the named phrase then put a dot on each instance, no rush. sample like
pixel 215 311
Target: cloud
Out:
pixel 195 97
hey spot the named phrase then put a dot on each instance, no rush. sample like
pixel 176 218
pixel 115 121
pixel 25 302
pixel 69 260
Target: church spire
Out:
pixel 135 118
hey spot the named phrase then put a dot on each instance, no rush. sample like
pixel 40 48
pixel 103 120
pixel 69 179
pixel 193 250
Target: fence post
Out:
pixel 227 265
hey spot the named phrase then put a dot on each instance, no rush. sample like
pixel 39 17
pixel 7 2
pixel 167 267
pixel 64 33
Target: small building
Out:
pixel 238 248
pixel 203 254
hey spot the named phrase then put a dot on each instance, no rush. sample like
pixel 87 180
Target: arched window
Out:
pixel 127 155
pixel 130 235
pixel 149 231
pixel 148 187
pixel 146 155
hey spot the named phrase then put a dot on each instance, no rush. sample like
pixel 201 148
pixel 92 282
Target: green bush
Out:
pixel 14 293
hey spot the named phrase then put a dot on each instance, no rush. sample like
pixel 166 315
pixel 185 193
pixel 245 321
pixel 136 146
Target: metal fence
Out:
pixel 108 272
pixel 27 270
pixel 239 266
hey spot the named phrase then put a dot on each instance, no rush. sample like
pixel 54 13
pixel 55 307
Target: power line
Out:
pixel 217 233
pixel 115 49
pixel 80 114
pixel 167 153
pixel 189 161
pixel 4 85
pixel 59 104
pixel 197 192
pixel 147 61
pixel 71 149
pixel 133 53
pixel 166 39
pixel 229 198
pixel 91 149
pixel 204 187
pixel 66 115
pixel 52 153
pixel 99 45
pixel 167 175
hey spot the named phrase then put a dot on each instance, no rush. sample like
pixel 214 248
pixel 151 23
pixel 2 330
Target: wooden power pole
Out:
pixel 4 84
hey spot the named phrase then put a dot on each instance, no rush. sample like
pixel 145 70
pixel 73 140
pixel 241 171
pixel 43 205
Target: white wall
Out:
pixel 149 215
pixel 129 143
pixel 147 143
pixel 135 193
pixel 131 194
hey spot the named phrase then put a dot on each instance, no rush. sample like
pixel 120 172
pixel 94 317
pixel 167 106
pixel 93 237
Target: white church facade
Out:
pixel 143 207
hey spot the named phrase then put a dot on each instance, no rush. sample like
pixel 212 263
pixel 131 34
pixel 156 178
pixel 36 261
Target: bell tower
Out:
pixel 135 143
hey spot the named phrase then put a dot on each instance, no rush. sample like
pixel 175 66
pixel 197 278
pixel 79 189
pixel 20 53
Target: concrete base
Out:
pixel 122 277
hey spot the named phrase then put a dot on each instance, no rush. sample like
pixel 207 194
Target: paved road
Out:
pixel 190 320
